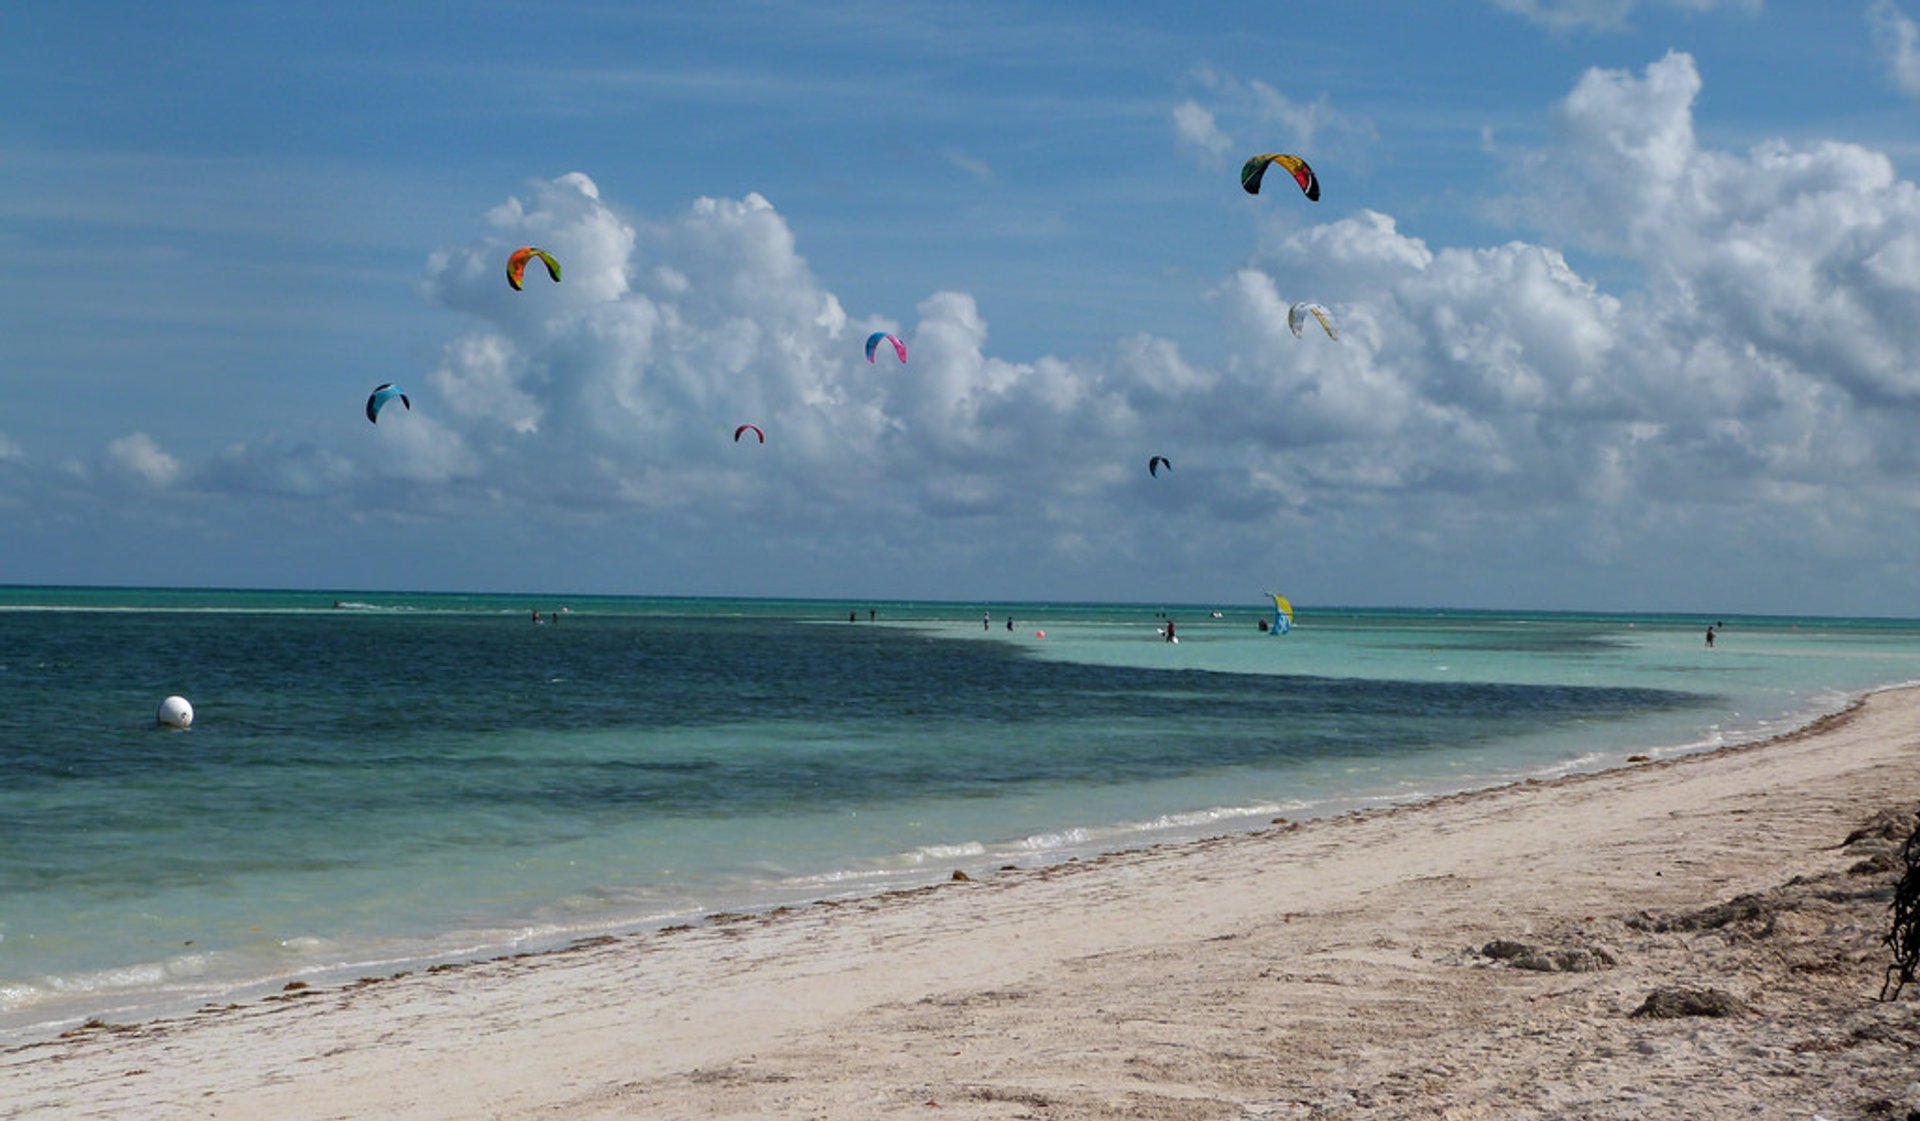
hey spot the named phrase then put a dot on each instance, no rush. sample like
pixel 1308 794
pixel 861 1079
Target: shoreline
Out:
pixel 1112 840
pixel 1314 969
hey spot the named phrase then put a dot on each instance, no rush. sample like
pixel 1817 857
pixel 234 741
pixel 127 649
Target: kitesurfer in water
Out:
pixel 986 620
pixel 1170 637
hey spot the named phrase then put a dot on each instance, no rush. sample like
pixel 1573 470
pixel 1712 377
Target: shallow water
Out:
pixel 407 778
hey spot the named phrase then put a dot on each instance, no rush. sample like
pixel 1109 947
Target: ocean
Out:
pixel 376 782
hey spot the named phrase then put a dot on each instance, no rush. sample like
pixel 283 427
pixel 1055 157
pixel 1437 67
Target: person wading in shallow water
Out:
pixel 1709 638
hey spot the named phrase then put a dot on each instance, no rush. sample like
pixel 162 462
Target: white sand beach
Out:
pixel 1329 969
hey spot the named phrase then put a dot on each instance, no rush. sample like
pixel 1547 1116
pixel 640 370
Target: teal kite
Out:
pixel 379 398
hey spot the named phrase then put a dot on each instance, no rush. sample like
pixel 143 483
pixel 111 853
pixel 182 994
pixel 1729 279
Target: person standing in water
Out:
pixel 1709 638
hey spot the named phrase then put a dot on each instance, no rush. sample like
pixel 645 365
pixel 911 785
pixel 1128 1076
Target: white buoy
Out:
pixel 175 712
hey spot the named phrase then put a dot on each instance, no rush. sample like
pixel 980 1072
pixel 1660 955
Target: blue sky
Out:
pixel 1629 294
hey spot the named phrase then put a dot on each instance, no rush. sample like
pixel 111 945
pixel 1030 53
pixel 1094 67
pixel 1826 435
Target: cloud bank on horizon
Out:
pixel 1739 379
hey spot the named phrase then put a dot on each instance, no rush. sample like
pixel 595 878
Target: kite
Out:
pixel 746 428
pixel 1255 169
pixel 1297 319
pixel 1282 614
pixel 1157 462
pixel 378 399
pixel 517 264
pixel 873 342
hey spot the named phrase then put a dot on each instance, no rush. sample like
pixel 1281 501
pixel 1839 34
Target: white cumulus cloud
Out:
pixel 1799 252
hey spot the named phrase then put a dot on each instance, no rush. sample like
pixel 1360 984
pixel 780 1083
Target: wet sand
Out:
pixel 1478 956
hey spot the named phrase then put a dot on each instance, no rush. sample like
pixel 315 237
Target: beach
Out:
pixel 1350 966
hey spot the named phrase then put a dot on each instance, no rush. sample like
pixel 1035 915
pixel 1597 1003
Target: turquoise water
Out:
pixel 378 780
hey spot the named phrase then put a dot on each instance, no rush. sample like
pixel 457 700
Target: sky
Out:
pixel 1628 299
